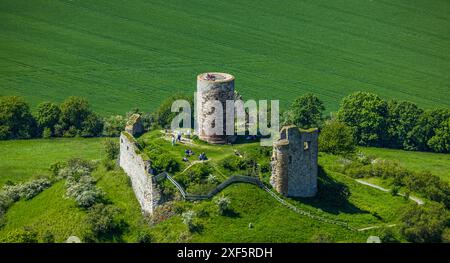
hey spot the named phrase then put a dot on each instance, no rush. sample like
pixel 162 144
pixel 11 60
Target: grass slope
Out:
pixel 49 212
pixel 272 222
pixel 22 159
pixel 123 54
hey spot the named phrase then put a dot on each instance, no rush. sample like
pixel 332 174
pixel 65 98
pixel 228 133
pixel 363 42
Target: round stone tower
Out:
pixel 213 86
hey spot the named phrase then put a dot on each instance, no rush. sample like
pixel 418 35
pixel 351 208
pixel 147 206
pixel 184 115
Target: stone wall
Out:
pixel 295 162
pixel 137 168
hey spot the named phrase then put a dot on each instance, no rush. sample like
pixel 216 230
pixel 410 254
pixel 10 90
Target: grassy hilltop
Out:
pixel 52 212
pixel 123 54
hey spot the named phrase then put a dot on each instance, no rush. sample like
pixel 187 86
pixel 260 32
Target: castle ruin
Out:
pixel 294 162
pixel 212 87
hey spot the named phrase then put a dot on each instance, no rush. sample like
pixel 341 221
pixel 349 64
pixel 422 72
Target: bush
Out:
pixel 112 149
pixel 196 175
pixel 223 204
pixel 164 162
pixel 83 190
pixel 337 138
pixel 395 190
pixel 24 235
pixel 144 237
pixel 424 224
pixel 80 184
pixel 103 219
pixel 188 219
pixel 387 236
pixel 114 125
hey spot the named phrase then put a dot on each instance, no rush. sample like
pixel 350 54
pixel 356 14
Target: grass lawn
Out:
pixel 436 163
pixel 122 56
pixel 22 159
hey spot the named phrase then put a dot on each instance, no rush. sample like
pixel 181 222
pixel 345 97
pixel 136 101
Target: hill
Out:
pixel 51 212
pixel 123 54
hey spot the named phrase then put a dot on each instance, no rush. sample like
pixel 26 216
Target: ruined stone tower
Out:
pixel 213 86
pixel 294 162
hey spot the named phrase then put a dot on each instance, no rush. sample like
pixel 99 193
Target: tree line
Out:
pixel 373 121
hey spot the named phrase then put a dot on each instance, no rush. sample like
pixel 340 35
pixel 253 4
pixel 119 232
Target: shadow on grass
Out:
pixel 332 196
pixel 231 213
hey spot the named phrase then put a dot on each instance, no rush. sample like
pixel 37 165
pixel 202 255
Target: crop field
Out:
pixel 126 54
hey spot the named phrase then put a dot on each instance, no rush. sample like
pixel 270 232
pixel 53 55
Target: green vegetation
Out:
pixel 95 49
pixel 435 163
pixel 336 138
pixel 306 112
pixel 25 159
pixel 52 216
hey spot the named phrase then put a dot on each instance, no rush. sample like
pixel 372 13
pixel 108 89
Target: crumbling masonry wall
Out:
pixel 137 168
pixel 295 162
pixel 213 87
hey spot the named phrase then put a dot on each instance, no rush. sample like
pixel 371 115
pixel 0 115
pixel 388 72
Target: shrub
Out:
pixel 387 236
pixel 103 219
pixel 337 138
pixel 188 219
pixel 83 190
pixel 24 235
pixel 48 237
pixel 114 125
pixel 394 190
pixel 223 204
pixel 195 175
pixel 112 149
pixel 424 224
pixel 47 133
pixel 144 237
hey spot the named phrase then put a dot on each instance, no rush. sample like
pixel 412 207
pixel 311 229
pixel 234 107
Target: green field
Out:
pixel 126 54
pixel 23 159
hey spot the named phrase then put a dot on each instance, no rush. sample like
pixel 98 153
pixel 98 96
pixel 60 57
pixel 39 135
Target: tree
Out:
pixel 366 113
pixel 305 112
pixel 74 112
pixel 47 116
pixel 16 120
pixel 163 115
pixel 440 142
pixel 111 149
pixel 92 125
pixel 402 118
pixel 424 224
pixel 336 138
pixel 114 125
pixel 430 123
